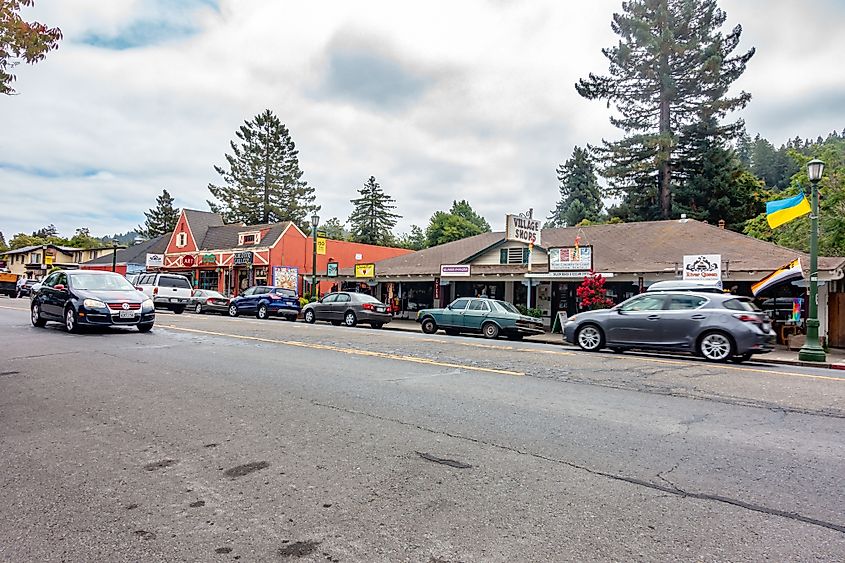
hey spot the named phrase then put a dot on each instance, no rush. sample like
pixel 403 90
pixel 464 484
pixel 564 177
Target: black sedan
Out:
pixel 348 308
pixel 80 298
pixel 208 301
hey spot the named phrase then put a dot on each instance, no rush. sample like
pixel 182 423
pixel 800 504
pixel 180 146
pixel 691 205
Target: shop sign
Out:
pixel 48 259
pixel 365 270
pixel 454 270
pixel 571 259
pixel 522 229
pixel 208 259
pixel 436 288
pixel 155 260
pixel 188 261
pixel 242 258
pixel 321 244
pixel 332 270
pixel 286 277
pixel 703 267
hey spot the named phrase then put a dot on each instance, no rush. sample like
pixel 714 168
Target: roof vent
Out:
pixel 721 223
pixel 683 218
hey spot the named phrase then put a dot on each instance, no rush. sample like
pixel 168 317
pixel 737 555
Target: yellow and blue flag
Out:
pixel 785 210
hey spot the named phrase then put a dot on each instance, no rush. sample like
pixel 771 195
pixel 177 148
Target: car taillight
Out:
pixel 209 301
pixel 274 297
pixel 747 318
pixel 155 291
pixel 369 307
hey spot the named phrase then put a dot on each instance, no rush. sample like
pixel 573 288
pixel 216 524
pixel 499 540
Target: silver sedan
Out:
pixel 718 327
pixel 348 308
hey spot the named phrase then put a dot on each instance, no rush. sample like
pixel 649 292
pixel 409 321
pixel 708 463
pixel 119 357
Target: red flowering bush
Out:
pixel 592 293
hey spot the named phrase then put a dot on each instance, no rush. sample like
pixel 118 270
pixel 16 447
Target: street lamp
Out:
pixel 812 351
pixel 114 255
pixel 315 220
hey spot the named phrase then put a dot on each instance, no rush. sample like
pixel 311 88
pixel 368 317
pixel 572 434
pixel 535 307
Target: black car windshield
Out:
pixel 284 292
pixel 506 307
pixel 100 282
pixel 364 298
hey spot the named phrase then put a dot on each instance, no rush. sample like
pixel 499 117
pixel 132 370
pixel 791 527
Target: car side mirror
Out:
pixel 59 287
pixel 139 288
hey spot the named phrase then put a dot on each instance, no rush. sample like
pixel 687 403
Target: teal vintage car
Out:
pixel 489 317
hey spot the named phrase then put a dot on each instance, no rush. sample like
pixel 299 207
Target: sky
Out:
pixel 439 100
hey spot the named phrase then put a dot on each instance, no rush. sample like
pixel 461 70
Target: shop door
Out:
pixel 836 320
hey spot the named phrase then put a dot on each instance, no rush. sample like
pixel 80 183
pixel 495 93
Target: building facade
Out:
pixel 34 262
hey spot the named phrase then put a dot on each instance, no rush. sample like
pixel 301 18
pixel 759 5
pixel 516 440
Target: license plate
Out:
pixel 127 314
pixel 174 300
pixel 381 309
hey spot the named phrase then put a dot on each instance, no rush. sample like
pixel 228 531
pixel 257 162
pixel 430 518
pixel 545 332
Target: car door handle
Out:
pixel 698 317
pixel 653 317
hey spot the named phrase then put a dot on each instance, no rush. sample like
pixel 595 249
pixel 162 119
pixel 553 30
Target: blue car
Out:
pixel 265 301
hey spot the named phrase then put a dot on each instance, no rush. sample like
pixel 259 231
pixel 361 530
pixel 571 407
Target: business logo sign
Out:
pixel 208 259
pixel 365 270
pixel 332 270
pixel 286 277
pixel 242 258
pixel 155 260
pixel 188 261
pixel 522 229
pixel 571 259
pixel 703 267
pixel 454 270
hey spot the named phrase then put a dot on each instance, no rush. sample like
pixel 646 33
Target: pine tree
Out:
pixel 580 194
pixel 372 220
pixel 263 182
pixel 50 231
pixel 3 246
pixel 414 240
pixel 334 229
pixel 464 209
pixel 161 219
pixel 671 69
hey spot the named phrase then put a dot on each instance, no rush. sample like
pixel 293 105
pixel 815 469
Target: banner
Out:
pixel 522 229
pixel 571 259
pixel 321 245
pixel 453 270
pixel 365 270
pixel 286 277
pixel 703 267
pixel 155 260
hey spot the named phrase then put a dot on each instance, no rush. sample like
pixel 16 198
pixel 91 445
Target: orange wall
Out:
pixel 344 253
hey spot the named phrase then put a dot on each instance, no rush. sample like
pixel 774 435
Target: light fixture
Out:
pixel 815 169
pixel 315 220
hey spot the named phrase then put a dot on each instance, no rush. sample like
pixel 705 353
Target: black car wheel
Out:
pixel 349 319
pixel 262 312
pixel 198 309
pixel 590 338
pixel 429 326
pixel 233 310
pixel 179 310
pixel 70 320
pixel 36 319
pixel 741 358
pixel 377 325
pixel 490 330
pixel 716 346
pixel 145 327
pixel 310 317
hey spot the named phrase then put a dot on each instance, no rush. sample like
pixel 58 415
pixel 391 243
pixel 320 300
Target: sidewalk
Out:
pixel 779 356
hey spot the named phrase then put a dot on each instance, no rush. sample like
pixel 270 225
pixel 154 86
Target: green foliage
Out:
pixel 372 220
pixel 460 222
pixel 21 41
pixel 161 219
pixel 49 235
pixel 671 69
pixel 580 194
pixel 82 239
pixel 21 240
pixel 3 246
pixel 775 167
pixel 530 311
pixel 415 240
pixel 464 209
pixel 334 229
pixel 263 182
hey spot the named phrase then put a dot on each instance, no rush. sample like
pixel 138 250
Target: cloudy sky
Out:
pixel 439 100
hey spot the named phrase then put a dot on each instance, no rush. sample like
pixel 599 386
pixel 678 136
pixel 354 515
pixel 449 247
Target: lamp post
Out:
pixel 315 220
pixel 812 351
pixel 114 255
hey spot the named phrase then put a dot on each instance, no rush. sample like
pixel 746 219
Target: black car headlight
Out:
pixel 93 304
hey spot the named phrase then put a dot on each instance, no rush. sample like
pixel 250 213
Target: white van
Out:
pixel 168 291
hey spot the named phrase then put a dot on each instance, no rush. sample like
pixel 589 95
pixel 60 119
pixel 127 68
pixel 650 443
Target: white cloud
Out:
pixel 486 112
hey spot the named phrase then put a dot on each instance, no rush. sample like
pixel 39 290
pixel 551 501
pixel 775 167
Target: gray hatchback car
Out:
pixel 348 308
pixel 715 326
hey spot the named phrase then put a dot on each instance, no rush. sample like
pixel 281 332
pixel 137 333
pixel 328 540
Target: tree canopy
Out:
pixel 372 219
pixel 161 219
pixel 580 194
pixel 22 41
pixel 460 222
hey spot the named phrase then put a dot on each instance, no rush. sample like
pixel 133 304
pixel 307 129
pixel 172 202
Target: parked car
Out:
pixel 348 308
pixel 687 285
pixel 265 301
pixel 490 317
pixel 8 283
pixel 25 289
pixel 80 298
pixel 168 291
pixel 208 301
pixel 716 326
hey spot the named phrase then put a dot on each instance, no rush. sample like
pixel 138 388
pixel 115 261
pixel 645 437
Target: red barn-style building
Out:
pixel 230 258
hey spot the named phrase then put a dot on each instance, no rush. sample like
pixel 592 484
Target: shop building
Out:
pixel 34 262
pixel 130 260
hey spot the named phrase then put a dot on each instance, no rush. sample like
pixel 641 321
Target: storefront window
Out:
pixel 208 280
pixel 261 276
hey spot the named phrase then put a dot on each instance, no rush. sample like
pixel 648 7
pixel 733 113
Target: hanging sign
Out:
pixel 241 258
pixel 436 288
pixel 321 244
pixel 155 260
pixel 332 270
pixel 571 258
pixel 188 261
pixel 703 267
pixel 522 229
pixel 365 270
pixel 453 270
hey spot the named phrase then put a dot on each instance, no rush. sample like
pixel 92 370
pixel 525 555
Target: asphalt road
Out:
pixel 215 439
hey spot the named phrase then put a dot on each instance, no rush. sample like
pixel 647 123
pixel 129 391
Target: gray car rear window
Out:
pixel 174 281
pixel 740 305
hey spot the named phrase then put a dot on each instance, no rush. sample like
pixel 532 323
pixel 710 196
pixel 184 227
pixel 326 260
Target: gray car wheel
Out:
pixel 490 330
pixel 36 316
pixel 198 309
pixel 262 312
pixel 349 319
pixel 590 338
pixel 310 317
pixel 716 346
pixel 233 310
pixel 70 320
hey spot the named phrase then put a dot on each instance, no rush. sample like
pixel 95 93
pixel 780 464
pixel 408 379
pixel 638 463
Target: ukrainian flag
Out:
pixel 785 210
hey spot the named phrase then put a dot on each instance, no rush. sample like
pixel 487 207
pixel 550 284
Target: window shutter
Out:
pixel 503 256
pixel 525 255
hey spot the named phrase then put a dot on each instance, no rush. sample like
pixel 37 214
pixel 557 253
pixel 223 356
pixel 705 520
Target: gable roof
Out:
pixel 428 261
pixel 200 221
pixel 226 236
pixel 136 254
pixel 64 249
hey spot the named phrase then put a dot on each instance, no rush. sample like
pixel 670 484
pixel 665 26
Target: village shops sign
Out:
pixel 520 228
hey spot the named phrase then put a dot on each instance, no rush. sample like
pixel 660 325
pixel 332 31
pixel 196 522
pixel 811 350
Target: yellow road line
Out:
pixel 351 351
pixel 496 347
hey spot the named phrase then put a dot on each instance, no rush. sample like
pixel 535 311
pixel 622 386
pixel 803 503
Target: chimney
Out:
pixel 721 223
